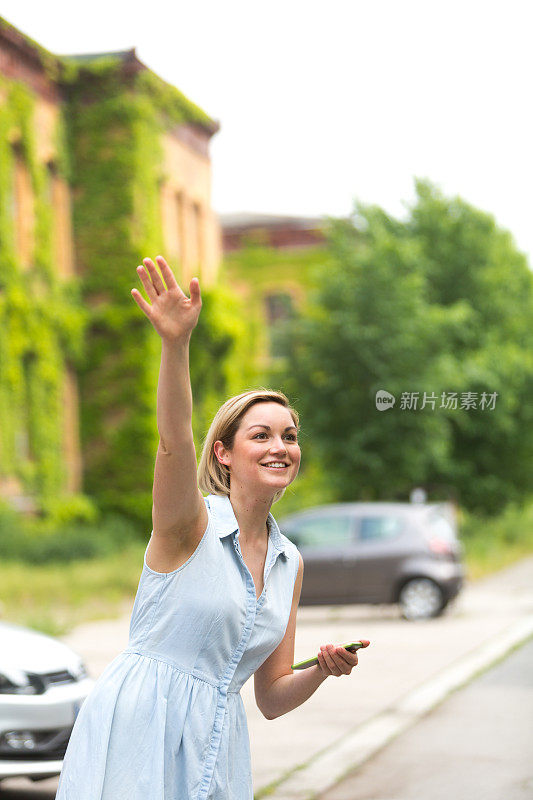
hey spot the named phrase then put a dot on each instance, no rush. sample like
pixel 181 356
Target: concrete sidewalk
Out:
pixel 477 744
pixel 348 710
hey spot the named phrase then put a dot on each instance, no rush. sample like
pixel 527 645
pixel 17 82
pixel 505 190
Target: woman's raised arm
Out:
pixel 178 511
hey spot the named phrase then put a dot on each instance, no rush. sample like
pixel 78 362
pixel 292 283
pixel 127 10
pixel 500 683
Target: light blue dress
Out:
pixel 166 720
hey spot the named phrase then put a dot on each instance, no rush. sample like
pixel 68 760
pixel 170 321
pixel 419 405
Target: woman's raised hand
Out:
pixel 171 312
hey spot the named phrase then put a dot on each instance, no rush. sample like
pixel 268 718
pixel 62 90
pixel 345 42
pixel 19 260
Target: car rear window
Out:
pixel 322 531
pixel 440 527
pixel 373 528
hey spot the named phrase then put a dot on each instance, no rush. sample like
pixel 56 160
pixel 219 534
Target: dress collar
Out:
pixel 226 521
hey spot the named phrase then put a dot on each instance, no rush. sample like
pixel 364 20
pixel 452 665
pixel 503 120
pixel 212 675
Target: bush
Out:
pixel 493 542
pixel 73 508
pixel 513 526
pixel 36 542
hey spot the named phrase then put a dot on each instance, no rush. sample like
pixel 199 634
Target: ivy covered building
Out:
pixel 101 164
pixel 270 260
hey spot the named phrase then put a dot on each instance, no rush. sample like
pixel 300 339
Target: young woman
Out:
pixel 216 601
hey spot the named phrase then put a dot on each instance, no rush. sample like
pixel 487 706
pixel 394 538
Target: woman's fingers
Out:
pixel 168 275
pixel 141 302
pixel 142 272
pixel 170 311
pixel 194 289
pixel 155 276
pixel 336 660
pixel 322 663
pixel 345 655
pixel 331 659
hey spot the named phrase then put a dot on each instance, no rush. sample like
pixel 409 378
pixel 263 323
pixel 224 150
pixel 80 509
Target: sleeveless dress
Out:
pixel 166 720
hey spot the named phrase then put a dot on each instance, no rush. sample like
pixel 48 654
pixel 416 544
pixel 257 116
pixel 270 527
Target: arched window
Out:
pixel 23 208
pixel 24 445
pixel 58 197
pixel 279 311
pixel 179 206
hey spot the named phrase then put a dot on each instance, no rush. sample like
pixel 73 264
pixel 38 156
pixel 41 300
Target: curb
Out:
pixel 308 781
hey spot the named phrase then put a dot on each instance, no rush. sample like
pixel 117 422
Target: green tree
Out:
pixel 435 304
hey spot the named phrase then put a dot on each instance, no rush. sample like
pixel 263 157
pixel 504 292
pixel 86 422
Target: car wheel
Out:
pixel 421 598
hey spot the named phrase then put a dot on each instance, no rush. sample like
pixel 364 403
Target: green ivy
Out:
pixel 114 130
pixel 108 140
pixel 42 321
pixel 50 63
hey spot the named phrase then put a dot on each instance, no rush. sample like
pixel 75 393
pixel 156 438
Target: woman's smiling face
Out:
pixel 266 435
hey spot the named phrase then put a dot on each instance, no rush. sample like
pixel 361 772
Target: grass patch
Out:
pixel 54 598
pixel 492 543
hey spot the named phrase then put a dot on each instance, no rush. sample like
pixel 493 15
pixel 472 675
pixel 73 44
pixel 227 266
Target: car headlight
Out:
pixel 81 671
pixel 8 687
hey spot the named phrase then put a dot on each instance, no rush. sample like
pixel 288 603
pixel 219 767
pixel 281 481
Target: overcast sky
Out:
pixel 321 103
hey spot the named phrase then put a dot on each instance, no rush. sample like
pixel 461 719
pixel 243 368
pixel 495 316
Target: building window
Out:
pixel 23 209
pixel 199 232
pixel 71 444
pixel 51 172
pixel 180 227
pixel 59 199
pixel 195 237
pixel 23 438
pixel 279 312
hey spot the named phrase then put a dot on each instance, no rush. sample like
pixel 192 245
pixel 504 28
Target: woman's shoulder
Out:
pixel 284 543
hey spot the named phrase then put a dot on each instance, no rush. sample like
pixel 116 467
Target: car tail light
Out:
pixel 441 547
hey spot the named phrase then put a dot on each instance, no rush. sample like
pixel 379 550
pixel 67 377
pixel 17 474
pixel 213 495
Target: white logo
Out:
pixel 384 400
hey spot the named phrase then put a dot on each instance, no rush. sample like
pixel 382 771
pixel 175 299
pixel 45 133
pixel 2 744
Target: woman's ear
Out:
pixel 221 453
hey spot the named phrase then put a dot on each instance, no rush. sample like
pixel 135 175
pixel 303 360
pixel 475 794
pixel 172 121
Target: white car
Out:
pixel 43 684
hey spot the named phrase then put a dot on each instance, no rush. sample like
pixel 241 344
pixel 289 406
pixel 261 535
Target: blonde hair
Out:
pixel 214 477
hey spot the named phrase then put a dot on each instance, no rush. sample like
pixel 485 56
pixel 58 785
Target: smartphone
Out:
pixel 351 646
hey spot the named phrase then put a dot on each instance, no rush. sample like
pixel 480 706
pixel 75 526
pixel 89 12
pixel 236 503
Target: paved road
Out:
pixel 401 657
pixel 477 745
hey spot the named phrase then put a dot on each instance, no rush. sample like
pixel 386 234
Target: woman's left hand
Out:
pixel 336 660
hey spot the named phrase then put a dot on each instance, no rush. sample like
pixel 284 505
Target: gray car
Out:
pixel 403 553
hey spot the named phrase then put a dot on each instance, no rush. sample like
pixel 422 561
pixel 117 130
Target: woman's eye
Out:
pixel 289 436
